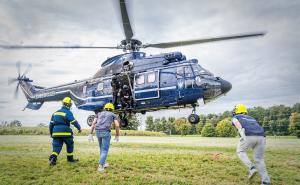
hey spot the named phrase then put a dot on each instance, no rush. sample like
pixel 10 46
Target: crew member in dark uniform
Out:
pixel 252 136
pixel 126 97
pixel 116 90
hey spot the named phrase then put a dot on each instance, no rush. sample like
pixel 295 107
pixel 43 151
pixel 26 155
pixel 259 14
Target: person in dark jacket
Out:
pixel 252 136
pixel 116 90
pixel 61 132
pixel 126 97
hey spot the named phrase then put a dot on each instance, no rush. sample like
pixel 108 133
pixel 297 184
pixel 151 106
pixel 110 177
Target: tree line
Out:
pixel 276 120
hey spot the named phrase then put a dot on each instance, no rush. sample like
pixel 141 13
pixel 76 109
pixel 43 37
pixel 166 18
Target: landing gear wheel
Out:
pixel 124 122
pixel 193 119
pixel 90 120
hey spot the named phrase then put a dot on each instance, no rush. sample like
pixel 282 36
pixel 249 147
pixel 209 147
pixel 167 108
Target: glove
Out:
pixel 90 138
pixel 242 133
pixel 116 139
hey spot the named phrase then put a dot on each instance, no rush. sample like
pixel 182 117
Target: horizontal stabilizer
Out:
pixel 34 105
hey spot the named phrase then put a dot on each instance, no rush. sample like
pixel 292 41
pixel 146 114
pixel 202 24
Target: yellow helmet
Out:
pixel 67 100
pixel 240 108
pixel 109 106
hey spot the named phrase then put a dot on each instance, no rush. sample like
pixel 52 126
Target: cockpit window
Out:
pixel 188 71
pixel 198 70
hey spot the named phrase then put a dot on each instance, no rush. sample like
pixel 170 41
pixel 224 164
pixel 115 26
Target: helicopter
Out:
pixel 155 82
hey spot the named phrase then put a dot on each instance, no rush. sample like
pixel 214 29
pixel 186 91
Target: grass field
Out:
pixel 145 160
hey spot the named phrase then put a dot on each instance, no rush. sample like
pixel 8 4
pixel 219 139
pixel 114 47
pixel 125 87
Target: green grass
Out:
pixel 145 160
pixel 45 131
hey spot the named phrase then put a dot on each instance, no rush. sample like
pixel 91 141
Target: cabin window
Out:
pixel 151 77
pixel 140 79
pixel 168 77
pixel 107 89
pixel 100 86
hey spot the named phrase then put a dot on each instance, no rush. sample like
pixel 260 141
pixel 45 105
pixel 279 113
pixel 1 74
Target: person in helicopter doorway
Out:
pixel 252 136
pixel 116 90
pixel 126 97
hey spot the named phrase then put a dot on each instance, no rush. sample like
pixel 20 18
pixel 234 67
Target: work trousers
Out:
pixel 257 143
pixel 58 142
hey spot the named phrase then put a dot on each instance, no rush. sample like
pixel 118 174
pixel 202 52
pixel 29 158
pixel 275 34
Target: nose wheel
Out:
pixel 193 118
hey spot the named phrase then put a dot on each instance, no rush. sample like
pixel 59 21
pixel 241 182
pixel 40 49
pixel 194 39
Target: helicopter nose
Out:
pixel 225 86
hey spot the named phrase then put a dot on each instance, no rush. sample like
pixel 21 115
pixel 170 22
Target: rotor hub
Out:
pixel 130 45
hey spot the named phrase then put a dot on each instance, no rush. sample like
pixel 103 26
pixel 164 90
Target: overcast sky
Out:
pixel 264 71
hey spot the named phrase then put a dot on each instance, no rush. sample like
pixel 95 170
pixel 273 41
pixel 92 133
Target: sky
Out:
pixel 264 71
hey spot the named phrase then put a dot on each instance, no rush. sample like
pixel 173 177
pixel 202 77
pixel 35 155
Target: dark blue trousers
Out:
pixel 58 142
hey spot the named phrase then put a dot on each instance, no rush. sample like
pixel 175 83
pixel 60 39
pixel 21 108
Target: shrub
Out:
pixel 225 129
pixel 182 126
pixel 199 128
pixel 208 130
pixel 294 126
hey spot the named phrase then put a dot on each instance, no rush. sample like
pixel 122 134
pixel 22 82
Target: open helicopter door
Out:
pixel 146 85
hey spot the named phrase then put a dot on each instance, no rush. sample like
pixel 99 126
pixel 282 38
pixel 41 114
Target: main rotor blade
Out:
pixel 125 20
pixel 199 41
pixel 53 47
pixel 27 70
pixel 17 91
pixel 18 65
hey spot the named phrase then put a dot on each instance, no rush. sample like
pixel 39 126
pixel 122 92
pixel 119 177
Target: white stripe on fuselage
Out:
pixel 54 93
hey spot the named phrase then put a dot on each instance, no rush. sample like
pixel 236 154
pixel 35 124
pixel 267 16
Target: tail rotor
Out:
pixel 20 78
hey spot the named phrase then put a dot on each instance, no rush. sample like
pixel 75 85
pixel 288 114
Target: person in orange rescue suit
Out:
pixel 61 132
pixel 252 136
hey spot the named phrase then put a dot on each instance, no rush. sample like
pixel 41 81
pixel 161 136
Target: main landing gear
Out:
pixel 193 118
pixel 90 119
pixel 123 120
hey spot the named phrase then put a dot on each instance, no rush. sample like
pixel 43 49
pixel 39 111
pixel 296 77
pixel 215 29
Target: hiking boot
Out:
pixel 71 159
pixel 252 172
pixel 52 160
pixel 101 168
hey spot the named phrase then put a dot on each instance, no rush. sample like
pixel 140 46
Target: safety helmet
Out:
pixel 240 109
pixel 67 101
pixel 109 106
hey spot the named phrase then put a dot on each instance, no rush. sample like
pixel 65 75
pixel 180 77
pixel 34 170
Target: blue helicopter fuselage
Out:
pixel 159 81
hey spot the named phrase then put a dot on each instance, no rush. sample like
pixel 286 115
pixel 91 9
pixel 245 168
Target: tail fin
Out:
pixel 28 89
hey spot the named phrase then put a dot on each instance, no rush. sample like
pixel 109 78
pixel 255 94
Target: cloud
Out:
pixel 264 71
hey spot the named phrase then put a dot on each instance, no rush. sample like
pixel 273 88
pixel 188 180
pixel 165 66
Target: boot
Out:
pixel 52 160
pixel 71 159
